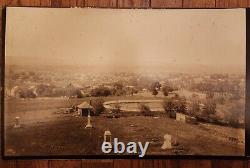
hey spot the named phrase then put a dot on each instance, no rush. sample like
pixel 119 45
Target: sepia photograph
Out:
pixel 119 82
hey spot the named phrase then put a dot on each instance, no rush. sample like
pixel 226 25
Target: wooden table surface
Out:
pixel 124 163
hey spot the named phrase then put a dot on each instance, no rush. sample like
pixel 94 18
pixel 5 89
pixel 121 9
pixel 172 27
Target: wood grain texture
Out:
pixel 133 3
pixel 199 3
pixel 101 3
pixel 63 3
pixel 166 3
pixel 2 3
pixel 23 2
pixel 45 3
pixel 231 3
pixel 65 164
pixel 33 164
pixel 166 163
pixel 229 164
pixel 146 163
pixel 195 163
pixel 124 163
pixel 97 163
pixel 80 3
pixel 8 164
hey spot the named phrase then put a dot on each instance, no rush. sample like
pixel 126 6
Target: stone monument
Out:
pixel 89 125
pixel 107 136
pixel 17 122
pixel 167 144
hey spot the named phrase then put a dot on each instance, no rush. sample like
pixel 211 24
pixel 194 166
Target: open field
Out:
pixel 48 132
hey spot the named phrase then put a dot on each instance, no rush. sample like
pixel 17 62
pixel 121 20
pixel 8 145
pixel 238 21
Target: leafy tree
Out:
pixel 154 92
pixel 100 91
pixel 166 90
pixel 118 89
pixel 169 107
pixel 98 105
pixel 118 85
pixel 44 90
pixel 116 109
pixel 210 95
pixel 145 110
pixel 194 108
pixel 209 109
pixel 27 94
pixel 181 106
pixel 155 87
pixel 175 105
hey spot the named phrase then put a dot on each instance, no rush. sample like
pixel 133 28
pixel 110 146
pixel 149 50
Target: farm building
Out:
pixel 180 117
pixel 84 108
pixel 185 118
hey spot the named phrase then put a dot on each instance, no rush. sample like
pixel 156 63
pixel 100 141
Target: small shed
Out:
pixel 84 108
pixel 180 117
pixel 186 119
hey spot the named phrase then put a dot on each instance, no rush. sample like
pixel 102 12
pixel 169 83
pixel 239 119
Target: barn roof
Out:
pixel 85 105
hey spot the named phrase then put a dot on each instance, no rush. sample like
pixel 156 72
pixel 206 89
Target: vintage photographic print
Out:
pixel 118 82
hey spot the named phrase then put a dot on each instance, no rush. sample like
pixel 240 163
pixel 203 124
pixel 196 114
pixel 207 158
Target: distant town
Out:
pixel 207 100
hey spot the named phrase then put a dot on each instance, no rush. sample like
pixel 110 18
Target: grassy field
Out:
pixel 48 132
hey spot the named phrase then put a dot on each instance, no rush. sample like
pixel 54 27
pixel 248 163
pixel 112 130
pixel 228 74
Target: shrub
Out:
pixel 209 109
pixel 170 108
pixel 166 90
pixel 145 110
pixel 98 105
pixel 27 94
pixel 194 109
pixel 100 91
pixel 174 105
pixel 116 109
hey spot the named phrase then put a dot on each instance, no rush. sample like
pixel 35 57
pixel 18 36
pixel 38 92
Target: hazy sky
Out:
pixel 126 38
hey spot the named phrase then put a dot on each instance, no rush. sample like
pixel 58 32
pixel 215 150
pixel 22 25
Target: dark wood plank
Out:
pixel 195 163
pixel 2 4
pixel 199 3
pixel 64 3
pixel 166 3
pixel 13 3
pixel 122 163
pixel 146 163
pixel 32 163
pixel 60 3
pixel 133 3
pixel 23 2
pixel 166 163
pixel 80 3
pixel 34 3
pixel 228 163
pixel 97 163
pixel 65 164
pixel 7 164
pixel 231 3
pixel 101 3
pixel 125 163
pixel 45 3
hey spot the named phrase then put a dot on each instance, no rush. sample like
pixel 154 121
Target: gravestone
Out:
pixel 167 144
pixel 89 125
pixel 17 122
pixel 107 136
